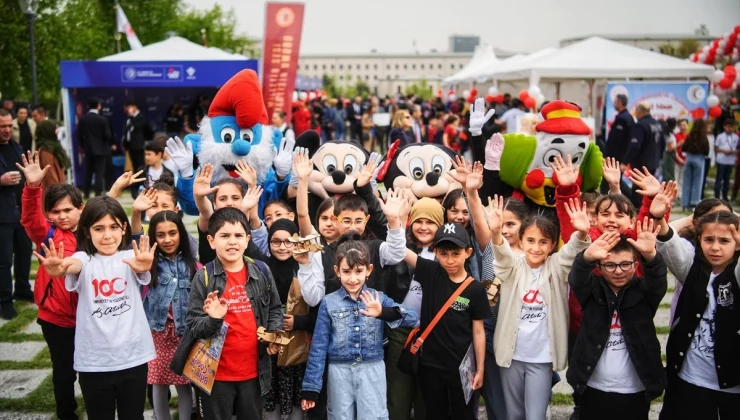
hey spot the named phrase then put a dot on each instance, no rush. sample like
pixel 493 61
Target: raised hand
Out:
pixel 406 204
pixel 283 161
pixel 31 169
pixel 202 184
pixel 393 205
pixel 599 249
pixel 124 181
pixel 182 155
pixel 648 184
pixel 663 200
pixel 368 170
pixel 53 261
pixel 494 151
pixel 143 255
pixel 302 164
pixel 475 177
pixel 214 306
pixel 611 171
pixel 578 215
pixel 246 172
pixel 251 198
pixel 477 117
pixel 495 214
pixel 146 200
pixel 461 170
pixel 647 233
pixel 372 302
pixel 566 173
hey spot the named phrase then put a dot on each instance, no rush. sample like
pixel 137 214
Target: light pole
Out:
pixel 29 8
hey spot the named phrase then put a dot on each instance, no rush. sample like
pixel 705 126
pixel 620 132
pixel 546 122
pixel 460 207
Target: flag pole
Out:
pixel 116 34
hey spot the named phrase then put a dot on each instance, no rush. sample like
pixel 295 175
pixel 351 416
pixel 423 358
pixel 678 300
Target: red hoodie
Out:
pixel 563 193
pixel 301 120
pixel 56 304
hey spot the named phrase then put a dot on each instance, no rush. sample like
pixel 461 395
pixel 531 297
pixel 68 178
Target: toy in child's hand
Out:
pixel 305 244
pixel 492 290
pixel 277 338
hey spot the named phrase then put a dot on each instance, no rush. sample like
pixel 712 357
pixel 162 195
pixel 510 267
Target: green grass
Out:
pixel 40 400
pixel 11 332
pixel 41 361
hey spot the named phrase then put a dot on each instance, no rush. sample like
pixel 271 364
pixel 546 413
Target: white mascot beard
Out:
pixel 260 156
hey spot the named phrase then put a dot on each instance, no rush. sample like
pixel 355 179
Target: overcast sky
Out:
pixel 357 26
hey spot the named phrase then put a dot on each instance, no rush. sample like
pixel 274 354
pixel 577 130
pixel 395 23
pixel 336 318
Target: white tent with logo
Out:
pixel 174 48
pixel 483 54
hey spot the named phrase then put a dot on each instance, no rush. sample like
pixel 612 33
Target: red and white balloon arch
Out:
pixel 725 49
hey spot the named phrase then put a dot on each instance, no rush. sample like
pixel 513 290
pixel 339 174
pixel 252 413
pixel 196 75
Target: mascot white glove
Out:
pixel 477 118
pixel 494 150
pixel 182 155
pixel 293 176
pixel 283 162
pixel 376 158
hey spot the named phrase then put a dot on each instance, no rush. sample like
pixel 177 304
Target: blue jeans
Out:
pixel 357 390
pixel 722 180
pixel 693 176
pixel 493 391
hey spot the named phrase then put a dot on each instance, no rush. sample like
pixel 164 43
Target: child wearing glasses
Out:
pixel 616 362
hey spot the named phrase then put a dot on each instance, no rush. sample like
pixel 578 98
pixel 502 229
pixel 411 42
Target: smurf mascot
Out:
pixel 235 129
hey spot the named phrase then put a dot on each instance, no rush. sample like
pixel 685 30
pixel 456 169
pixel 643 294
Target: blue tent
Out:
pixel 174 71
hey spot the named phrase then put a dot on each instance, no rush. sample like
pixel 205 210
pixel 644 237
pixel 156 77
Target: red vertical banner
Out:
pixel 283 27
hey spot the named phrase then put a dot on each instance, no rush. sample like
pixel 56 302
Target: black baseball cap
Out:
pixel 452 232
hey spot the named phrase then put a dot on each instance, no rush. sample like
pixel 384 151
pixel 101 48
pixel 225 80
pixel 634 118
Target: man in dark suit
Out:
pixel 95 141
pixel 619 135
pixel 135 134
pixel 354 116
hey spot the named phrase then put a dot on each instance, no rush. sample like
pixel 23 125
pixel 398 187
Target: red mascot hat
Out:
pixel 241 96
pixel 562 117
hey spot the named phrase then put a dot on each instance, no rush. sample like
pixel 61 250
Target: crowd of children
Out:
pixel 123 299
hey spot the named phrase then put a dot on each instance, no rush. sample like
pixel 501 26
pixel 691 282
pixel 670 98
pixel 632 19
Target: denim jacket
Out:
pixel 173 287
pixel 347 336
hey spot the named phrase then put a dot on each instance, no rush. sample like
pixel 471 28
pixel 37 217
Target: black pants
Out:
pixel 95 165
pixel 683 400
pixel 61 342
pixel 137 161
pixel 122 391
pixel 599 405
pixel 443 395
pixel 244 396
pixel 15 251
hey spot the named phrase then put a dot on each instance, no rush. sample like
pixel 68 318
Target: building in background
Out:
pixel 463 43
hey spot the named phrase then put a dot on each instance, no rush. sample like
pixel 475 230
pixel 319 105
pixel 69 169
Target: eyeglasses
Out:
pixel 612 267
pixel 276 244
pixel 348 223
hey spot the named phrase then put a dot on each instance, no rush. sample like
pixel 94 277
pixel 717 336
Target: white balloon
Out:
pixel 311 95
pixel 719 91
pixel 302 96
pixel 493 91
pixel 451 97
pixel 737 67
pixel 540 98
pixel 466 93
pixel 295 95
pixel 712 101
pixel 702 57
pixel 718 76
pixel 734 87
pixel 737 78
pixel 534 91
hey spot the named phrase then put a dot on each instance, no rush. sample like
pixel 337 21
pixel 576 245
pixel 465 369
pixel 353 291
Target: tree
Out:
pixel 220 29
pixel 421 89
pixel 331 87
pixel 684 49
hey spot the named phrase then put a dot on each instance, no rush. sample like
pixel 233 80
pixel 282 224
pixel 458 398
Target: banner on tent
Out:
pixel 680 100
pixel 283 27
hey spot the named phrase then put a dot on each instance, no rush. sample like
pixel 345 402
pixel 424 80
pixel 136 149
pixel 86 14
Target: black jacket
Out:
pixel 619 135
pixel 94 135
pixel 644 146
pixel 140 131
pixel 10 196
pixel 691 305
pixel 636 305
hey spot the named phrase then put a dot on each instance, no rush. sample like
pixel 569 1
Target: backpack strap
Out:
pixel 209 268
pixel 49 237
pixel 428 330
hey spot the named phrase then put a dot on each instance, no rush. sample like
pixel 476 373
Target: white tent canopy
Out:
pixel 174 48
pixel 483 54
pixel 487 70
pixel 599 58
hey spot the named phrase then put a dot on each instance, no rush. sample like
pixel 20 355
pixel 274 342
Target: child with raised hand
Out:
pixel 113 343
pixel 166 306
pixel 531 339
pixel 612 175
pixel 616 365
pixel 702 366
pixel 349 330
pixel 57 307
pixel 125 181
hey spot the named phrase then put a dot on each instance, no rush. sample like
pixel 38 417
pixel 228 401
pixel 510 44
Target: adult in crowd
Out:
pixel 96 143
pixel 52 154
pixel 696 148
pixel 646 138
pixel 38 113
pixel 683 131
pixel 136 133
pixel 24 129
pixel 619 135
pixel 340 116
pixel 278 123
pixel 508 118
pixel 668 163
pixel 174 122
pixel 9 106
pixel 400 127
pixel 354 116
pixel 725 146
pixel 417 124
pixel 367 129
pixel 15 248
pixel 327 120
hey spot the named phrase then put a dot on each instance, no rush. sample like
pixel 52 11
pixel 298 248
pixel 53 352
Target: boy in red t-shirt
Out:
pixel 242 294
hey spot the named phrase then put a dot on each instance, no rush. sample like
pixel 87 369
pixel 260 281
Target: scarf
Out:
pixel 46 139
pixel 282 271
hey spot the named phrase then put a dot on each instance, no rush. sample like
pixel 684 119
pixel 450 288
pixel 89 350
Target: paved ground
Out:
pixel 25 367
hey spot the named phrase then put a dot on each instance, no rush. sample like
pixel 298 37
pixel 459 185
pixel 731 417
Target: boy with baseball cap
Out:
pixel 462 324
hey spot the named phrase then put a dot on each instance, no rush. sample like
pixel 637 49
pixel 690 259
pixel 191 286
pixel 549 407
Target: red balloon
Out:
pixel 523 95
pixel 500 98
pixel 490 99
pixel 471 99
pixel 737 29
pixel 715 112
pixel 474 92
pixel 529 102
pixel 439 92
pixel 734 101
pixel 730 72
pixel 726 83
pixel 698 113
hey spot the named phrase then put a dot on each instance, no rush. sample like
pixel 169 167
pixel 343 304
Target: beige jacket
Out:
pixel 516 277
pixel 17 132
